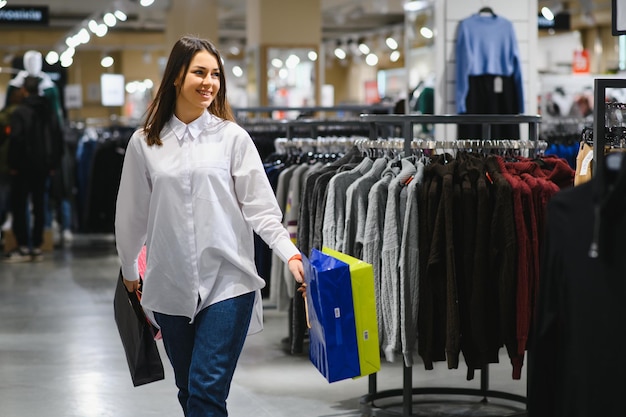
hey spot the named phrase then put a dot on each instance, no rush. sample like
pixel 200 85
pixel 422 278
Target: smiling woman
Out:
pixel 193 190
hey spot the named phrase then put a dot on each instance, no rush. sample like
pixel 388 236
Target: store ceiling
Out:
pixel 340 17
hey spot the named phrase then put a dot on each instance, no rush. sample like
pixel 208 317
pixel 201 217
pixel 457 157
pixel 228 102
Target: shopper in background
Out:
pixel 14 99
pixel 35 151
pixel 193 189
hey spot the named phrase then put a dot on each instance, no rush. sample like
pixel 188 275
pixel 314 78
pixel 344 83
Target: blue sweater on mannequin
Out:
pixel 486 45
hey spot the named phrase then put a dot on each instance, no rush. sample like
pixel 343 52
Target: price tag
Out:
pixel 498 85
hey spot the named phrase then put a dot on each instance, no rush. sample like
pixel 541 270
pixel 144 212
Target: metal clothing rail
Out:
pixel 313 127
pixel 461 144
pixel 346 108
pixel 406 122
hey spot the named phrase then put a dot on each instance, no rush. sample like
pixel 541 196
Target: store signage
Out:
pixel 73 96
pixel 561 21
pixel 582 62
pixel 371 92
pixel 24 15
pixel 112 90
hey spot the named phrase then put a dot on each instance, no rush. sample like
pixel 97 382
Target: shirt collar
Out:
pixel 195 127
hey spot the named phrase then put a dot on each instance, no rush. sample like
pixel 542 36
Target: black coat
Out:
pixel 36 140
pixel 577 367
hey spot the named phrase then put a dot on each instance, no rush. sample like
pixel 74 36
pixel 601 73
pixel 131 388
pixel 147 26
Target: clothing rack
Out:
pixel 406 122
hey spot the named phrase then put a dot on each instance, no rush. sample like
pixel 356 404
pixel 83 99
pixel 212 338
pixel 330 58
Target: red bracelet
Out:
pixel 296 257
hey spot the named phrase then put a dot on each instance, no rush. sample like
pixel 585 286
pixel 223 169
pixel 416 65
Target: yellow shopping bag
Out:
pixel 364 299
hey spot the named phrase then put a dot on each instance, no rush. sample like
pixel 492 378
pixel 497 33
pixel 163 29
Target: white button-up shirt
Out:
pixel 194 202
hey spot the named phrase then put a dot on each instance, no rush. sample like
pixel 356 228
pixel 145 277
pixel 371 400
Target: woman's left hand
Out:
pixel 131 286
pixel 297 270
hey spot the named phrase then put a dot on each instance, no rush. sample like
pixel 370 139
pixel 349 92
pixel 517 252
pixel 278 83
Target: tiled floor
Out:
pixel 60 356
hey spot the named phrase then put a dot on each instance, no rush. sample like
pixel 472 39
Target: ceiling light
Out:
pixel 52 57
pixel 72 41
pixel 312 55
pixel 292 61
pixel 148 83
pixel 68 53
pixel 131 87
pixel 146 3
pixel 109 19
pixel 93 26
pixel 547 13
pixel 340 53
pixel 120 15
pixel 237 71
pixel 416 5
pixel 426 32
pixel 3 3
pixel 67 57
pixel 394 56
pixel 391 43
pixel 364 48
pixel 107 61
pixel 67 62
pixel 371 60
pixel 83 36
pixel 277 63
pixel 102 30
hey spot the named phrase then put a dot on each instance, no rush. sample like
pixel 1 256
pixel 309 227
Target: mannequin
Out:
pixel 33 63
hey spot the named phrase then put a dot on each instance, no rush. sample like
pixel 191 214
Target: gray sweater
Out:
pixel 372 234
pixel 356 207
pixel 335 211
pixel 409 270
pixel 390 256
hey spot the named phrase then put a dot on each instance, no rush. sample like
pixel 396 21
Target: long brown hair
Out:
pixel 162 107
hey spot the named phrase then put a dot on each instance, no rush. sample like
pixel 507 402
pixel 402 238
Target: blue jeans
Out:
pixel 204 353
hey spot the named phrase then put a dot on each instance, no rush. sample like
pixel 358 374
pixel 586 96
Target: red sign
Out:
pixel 581 63
pixel 371 92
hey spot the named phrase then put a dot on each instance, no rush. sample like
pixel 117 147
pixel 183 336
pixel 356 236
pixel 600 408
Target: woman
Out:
pixel 193 189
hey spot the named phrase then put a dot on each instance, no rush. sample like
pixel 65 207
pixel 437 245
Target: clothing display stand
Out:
pixel 599 118
pixel 406 393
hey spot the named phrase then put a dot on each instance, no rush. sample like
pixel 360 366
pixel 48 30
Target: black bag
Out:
pixel 137 334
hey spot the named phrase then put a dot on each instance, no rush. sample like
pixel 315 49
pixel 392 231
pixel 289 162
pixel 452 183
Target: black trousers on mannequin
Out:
pixel 23 186
pixel 490 94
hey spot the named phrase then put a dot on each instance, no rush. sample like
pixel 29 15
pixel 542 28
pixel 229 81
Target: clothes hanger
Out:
pixel 487 11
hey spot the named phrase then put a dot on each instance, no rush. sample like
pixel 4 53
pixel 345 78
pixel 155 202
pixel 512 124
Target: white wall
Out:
pixel 555 53
pixel 448 14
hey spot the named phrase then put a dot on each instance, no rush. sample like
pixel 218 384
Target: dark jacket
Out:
pixel 36 140
pixel 576 367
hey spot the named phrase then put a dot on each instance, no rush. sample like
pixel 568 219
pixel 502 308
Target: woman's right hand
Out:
pixel 297 269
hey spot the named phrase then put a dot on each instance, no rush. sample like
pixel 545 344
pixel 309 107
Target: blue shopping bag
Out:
pixel 333 339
